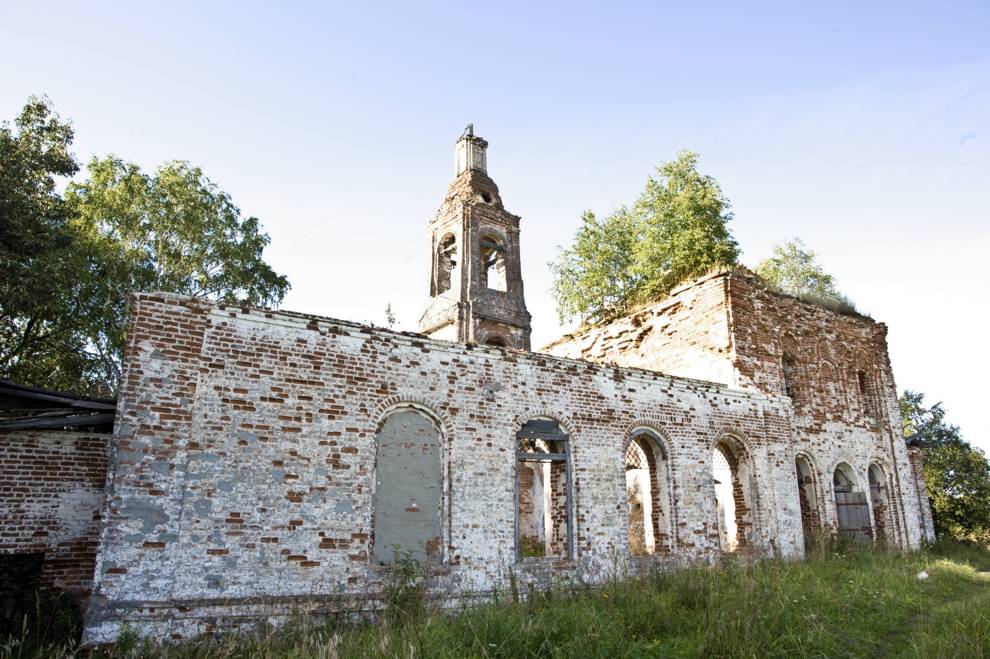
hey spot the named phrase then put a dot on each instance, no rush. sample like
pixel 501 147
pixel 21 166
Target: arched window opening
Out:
pixel 851 508
pixel 880 499
pixel 406 501
pixel 493 264
pixel 790 377
pixel 446 263
pixel 733 478
pixel 496 341
pixel 543 491
pixel 647 480
pixel 811 520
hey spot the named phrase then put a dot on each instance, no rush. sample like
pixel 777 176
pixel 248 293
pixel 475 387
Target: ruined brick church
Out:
pixel 267 462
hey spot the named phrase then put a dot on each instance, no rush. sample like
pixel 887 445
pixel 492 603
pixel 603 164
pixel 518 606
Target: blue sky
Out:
pixel 863 128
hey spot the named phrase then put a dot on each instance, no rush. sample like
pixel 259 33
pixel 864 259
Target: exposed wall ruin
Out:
pixel 244 480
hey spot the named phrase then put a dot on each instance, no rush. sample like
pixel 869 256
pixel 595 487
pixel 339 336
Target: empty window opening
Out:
pixel 880 499
pixel 811 520
pixel 734 485
pixel 790 377
pixel 543 491
pixel 486 197
pixel 496 341
pixel 406 502
pixel 851 508
pixel 493 264
pixel 446 264
pixel 648 496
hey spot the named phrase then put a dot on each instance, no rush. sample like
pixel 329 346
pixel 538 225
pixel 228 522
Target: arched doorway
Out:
pixel 851 509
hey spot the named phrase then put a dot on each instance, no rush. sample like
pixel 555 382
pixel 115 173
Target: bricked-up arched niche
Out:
pixel 867 400
pixel 543 491
pixel 880 501
pixel 407 498
pixel 811 514
pixel 734 476
pixel 851 508
pixel 446 267
pixel 647 482
pixel 493 263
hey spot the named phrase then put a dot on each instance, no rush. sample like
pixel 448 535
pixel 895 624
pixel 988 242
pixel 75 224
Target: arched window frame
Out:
pixel 734 449
pixel 656 445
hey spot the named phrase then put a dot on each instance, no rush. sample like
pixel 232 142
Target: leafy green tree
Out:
pixel 172 231
pixel 676 229
pixel 957 474
pixel 594 278
pixel 120 230
pixel 41 293
pixel 795 269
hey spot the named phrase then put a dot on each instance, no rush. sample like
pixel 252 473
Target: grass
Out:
pixel 840 602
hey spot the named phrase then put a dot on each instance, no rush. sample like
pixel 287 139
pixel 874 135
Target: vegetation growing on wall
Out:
pixel 795 270
pixel 676 229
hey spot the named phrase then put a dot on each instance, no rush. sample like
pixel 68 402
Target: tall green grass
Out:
pixel 840 602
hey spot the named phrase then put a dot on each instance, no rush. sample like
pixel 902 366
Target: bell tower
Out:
pixel 476 288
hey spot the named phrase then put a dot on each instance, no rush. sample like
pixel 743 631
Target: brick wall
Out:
pixel 51 492
pixel 243 464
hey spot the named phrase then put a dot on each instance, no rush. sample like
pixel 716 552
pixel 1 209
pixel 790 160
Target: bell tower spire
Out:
pixel 476 288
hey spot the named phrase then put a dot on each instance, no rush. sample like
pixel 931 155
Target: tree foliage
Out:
pixel 957 474
pixel 74 258
pixel 794 269
pixel 676 229
pixel 40 292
